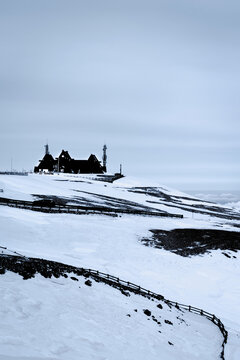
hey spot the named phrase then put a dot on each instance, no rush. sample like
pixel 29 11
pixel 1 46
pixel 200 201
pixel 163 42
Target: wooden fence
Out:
pixel 126 285
pixel 21 173
pixel 82 210
pixel 51 266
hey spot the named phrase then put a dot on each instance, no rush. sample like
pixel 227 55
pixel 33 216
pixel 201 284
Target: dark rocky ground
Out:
pixel 194 205
pixel 187 242
pixel 88 201
pixel 29 267
pixel 155 196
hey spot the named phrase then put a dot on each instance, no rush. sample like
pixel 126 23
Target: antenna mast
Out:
pixel 46 149
pixel 104 158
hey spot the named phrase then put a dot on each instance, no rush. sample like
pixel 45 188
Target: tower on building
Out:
pixel 46 149
pixel 104 158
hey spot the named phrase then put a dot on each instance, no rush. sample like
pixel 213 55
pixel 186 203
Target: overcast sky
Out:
pixel 158 81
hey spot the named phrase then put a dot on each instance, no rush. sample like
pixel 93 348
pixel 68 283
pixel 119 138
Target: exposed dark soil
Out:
pixel 29 267
pixel 57 200
pixel 193 205
pixel 110 202
pixel 187 242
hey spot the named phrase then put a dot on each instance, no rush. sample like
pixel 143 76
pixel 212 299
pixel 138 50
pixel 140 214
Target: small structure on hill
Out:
pixel 64 163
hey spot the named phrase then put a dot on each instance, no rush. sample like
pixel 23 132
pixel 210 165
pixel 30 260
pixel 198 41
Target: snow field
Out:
pixel 65 319
pixel 111 245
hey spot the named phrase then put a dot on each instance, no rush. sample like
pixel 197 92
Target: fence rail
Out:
pixel 21 173
pixel 82 210
pixel 51 266
pixel 142 291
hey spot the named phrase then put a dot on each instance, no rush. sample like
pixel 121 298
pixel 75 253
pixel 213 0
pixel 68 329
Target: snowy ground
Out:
pixel 96 322
pixel 111 245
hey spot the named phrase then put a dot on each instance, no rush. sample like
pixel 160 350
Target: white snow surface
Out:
pixel 55 319
pixel 235 205
pixel 66 320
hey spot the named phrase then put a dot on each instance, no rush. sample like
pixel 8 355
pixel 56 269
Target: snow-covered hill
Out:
pixel 59 319
pixel 113 245
pixel 122 194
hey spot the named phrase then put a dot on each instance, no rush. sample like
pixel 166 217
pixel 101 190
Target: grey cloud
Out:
pixel 157 80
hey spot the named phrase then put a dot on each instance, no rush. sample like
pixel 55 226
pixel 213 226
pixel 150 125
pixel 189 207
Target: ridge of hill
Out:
pixel 114 245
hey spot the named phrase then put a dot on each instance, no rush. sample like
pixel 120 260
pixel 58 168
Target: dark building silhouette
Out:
pixel 64 163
